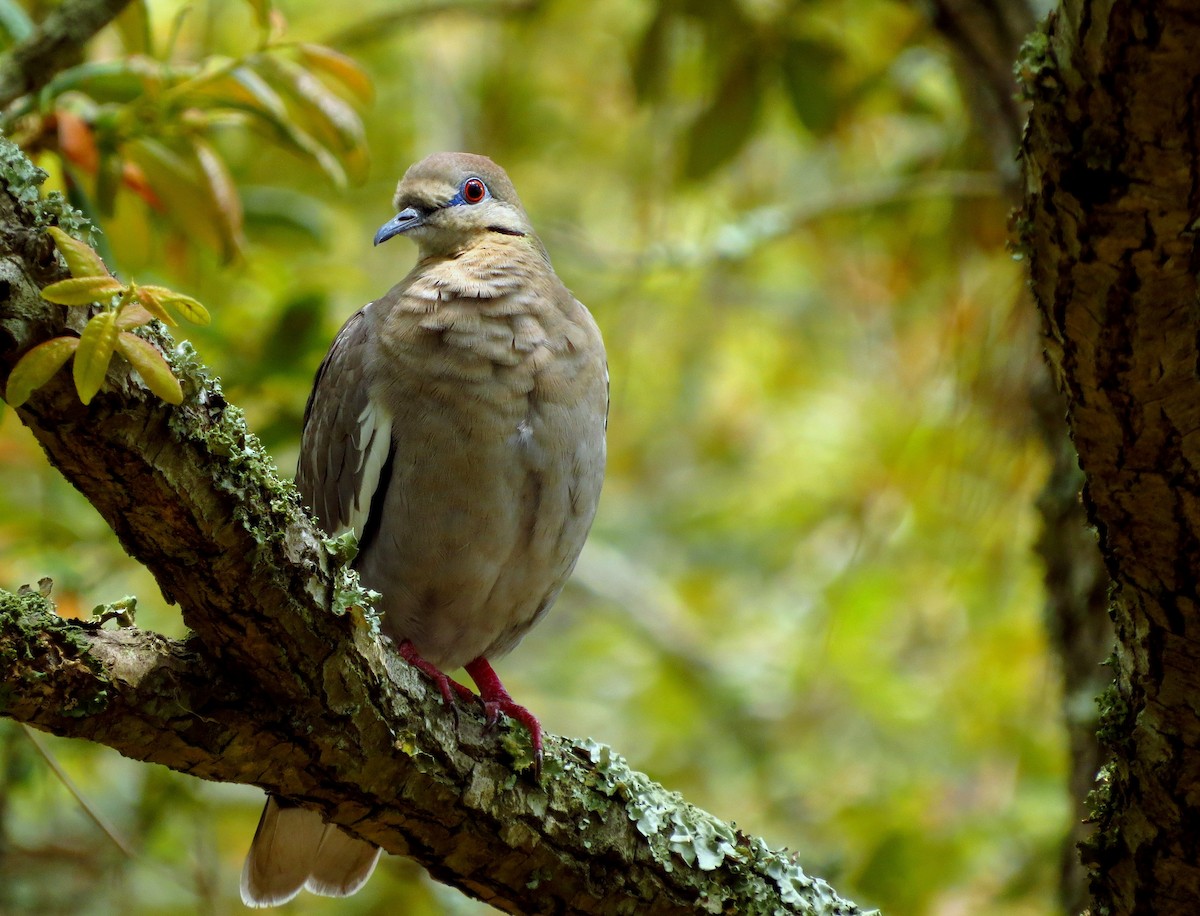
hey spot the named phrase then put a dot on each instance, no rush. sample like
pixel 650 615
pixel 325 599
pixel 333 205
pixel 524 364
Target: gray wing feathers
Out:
pixel 294 848
pixel 347 435
pixel 344 863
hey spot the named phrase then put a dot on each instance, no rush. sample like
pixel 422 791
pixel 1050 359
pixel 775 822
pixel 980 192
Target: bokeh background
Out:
pixel 809 602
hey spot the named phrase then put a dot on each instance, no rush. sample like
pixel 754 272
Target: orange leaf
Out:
pixel 134 315
pixel 77 141
pixel 135 179
pixel 147 296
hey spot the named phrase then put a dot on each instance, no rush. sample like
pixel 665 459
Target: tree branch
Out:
pixel 53 46
pixel 276 690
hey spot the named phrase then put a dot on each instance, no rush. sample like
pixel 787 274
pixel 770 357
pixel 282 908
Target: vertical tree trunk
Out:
pixel 1113 191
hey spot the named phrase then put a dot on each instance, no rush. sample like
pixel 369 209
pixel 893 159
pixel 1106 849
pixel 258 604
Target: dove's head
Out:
pixel 452 201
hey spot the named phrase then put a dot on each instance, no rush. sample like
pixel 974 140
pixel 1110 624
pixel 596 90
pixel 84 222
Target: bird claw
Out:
pixel 497 700
pixel 492 695
pixel 446 687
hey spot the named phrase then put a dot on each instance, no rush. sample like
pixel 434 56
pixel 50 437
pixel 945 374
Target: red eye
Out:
pixel 474 190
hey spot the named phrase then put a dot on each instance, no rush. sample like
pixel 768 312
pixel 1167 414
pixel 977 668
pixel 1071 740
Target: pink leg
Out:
pixel 496 700
pixel 446 687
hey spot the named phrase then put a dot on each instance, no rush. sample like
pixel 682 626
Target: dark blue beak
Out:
pixel 408 218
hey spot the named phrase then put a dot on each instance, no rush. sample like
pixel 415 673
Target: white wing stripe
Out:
pixel 373 441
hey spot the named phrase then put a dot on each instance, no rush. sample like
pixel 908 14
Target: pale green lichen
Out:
pixel 519 746
pixel 56 210
pixel 24 179
pixel 663 817
pixel 1036 69
pixel 249 473
pixel 32 618
pixel 350 596
pixel 123 611
pixel 407 742
pixel 342 548
pixel 750 871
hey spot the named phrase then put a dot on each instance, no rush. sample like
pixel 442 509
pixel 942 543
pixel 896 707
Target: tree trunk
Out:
pixel 1112 160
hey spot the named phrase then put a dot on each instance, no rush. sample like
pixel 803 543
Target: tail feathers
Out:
pixel 344 863
pixel 294 848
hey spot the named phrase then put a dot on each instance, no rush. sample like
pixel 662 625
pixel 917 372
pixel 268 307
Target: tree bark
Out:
pixel 278 689
pixel 1112 160
pixel 55 44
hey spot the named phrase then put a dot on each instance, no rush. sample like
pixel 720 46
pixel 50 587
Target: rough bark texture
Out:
pixel 278 690
pixel 986 37
pixel 1078 625
pixel 1113 191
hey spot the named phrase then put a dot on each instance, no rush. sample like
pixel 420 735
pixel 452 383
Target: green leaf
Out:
pixel 37 367
pixel 284 208
pixel 262 13
pixel 94 354
pixel 242 89
pixel 134 25
pixel 151 366
pixel 223 192
pixel 108 180
pixel 179 183
pixel 722 129
pixel 188 307
pixel 14 22
pixel 118 81
pixel 82 290
pixel 806 67
pixel 340 67
pixel 81 260
pixel 320 111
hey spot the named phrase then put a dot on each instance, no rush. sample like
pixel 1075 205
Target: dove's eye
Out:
pixel 474 190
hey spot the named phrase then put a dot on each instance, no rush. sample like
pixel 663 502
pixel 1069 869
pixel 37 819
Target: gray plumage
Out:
pixel 457 426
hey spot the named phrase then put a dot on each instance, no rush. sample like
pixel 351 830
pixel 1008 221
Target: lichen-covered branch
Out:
pixel 54 44
pixel 278 690
pixel 593 839
pixel 1112 159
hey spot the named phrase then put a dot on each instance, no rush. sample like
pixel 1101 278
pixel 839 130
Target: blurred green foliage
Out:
pixel 809 602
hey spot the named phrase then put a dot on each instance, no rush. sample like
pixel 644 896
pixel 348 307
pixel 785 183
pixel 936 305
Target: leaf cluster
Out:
pixel 745 58
pixel 149 123
pixel 109 331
